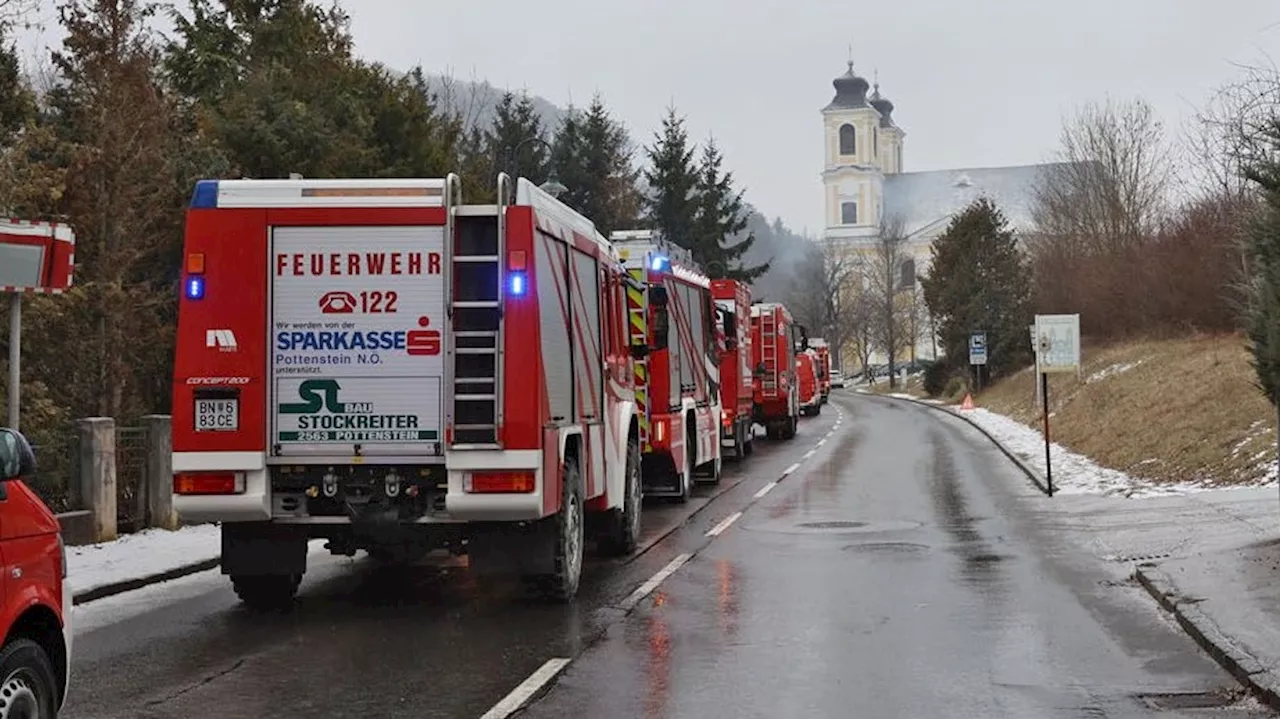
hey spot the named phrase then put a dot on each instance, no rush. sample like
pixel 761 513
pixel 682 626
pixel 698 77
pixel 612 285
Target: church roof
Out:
pixel 926 201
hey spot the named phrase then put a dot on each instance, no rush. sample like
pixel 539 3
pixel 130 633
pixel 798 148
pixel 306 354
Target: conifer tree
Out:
pixel 672 177
pixel 517 140
pixel 979 281
pixel 721 217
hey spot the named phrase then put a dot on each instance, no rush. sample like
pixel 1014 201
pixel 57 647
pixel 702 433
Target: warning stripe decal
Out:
pixel 639 332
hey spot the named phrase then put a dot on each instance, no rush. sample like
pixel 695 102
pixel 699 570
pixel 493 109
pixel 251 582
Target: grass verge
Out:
pixel 1181 410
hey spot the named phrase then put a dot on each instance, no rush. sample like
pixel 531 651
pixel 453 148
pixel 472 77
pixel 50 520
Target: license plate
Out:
pixel 217 415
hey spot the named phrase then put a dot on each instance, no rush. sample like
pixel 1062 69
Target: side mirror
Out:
pixel 17 459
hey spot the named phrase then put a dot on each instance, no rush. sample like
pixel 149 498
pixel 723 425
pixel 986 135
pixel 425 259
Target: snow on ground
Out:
pixel 1072 473
pixel 143 554
pixel 1114 369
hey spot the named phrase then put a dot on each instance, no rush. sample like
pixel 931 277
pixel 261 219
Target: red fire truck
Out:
pixel 822 366
pixel 678 383
pixel 775 339
pixel 808 382
pixel 374 363
pixel 733 308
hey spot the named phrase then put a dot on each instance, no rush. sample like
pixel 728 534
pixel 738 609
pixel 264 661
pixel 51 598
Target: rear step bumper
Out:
pixel 254 504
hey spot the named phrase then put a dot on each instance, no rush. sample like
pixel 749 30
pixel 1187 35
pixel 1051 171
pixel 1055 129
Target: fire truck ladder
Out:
pixel 769 350
pixel 476 314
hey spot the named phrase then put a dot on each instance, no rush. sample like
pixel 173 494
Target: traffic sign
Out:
pixel 978 348
pixel 1058 343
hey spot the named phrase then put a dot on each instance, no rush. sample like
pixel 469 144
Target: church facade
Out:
pixel 867 189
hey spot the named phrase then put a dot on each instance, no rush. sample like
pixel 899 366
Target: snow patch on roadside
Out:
pixel 1072 473
pixel 143 554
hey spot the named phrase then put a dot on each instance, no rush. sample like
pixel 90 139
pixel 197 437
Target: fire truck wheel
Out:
pixel 263 592
pixel 690 461
pixel 749 446
pixel 562 585
pixel 789 430
pixel 624 530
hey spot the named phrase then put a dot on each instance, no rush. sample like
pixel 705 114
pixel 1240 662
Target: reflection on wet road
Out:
pixel 889 577
pixel 429 643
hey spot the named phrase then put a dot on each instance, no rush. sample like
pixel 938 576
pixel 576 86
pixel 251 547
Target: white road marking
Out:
pixel 513 702
pixel 809 454
pixel 824 441
pixel 723 525
pixel 652 583
pixel 790 469
pixel 766 489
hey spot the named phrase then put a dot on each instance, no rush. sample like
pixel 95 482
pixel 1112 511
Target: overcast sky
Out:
pixel 976 82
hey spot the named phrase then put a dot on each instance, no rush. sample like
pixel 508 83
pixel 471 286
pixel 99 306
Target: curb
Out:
pixel 128 585
pixel 1237 662
pixel 1022 465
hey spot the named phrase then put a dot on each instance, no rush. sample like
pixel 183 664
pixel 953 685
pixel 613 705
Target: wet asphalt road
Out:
pixel 888 576
pixel 364 642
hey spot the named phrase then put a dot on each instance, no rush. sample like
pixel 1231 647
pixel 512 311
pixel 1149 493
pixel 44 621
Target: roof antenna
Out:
pixel 850 56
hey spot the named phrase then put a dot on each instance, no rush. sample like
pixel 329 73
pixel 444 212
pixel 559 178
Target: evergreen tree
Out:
pixel 593 160
pixel 1262 287
pixel 979 280
pixel 672 177
pixel 517 140
pixel 720 218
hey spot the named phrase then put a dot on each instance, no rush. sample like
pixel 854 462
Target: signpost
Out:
pixel 34 257
pixel 1057 350
pixel 978 354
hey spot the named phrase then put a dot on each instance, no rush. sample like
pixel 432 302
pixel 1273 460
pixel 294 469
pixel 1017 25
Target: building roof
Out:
pixel 851 91
pixel 926 201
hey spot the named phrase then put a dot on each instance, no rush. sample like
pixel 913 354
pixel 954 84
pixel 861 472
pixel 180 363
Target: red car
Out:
pixel 35 600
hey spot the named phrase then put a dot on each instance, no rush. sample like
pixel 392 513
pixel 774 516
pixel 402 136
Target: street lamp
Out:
pixel 552 186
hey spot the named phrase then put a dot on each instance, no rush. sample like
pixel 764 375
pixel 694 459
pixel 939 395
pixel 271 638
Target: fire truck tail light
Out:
pixel 208 483
pixel 517 261
pixel 195 263
pixel 499 482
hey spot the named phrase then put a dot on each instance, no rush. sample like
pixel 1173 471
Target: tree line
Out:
pixel 111 133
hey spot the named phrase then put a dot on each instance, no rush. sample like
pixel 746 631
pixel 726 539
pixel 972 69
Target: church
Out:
pixel 865 185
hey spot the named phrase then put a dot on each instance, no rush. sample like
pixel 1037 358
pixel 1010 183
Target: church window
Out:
pixel 908 280
pixel 875 141
pixel 848 140
pixel 848 213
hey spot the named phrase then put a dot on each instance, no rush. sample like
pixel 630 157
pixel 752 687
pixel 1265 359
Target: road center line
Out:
pixel 790 469
pixel 723 525
pixel 652 583
pixel 809 454
pixel 512 702
pixel 766 489
pixel 822 441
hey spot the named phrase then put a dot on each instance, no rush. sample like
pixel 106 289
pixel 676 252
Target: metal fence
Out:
pixel 57 468
pixel 131 467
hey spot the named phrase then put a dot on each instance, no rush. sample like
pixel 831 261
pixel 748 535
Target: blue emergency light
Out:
pixel 195 288
pixel 660 263
pixel 517 284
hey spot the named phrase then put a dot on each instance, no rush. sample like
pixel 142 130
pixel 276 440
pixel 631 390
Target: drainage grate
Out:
pixel 1192 700
pixel 832 525
pixel 887 547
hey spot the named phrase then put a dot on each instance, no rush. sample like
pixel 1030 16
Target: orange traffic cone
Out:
pixel 968 402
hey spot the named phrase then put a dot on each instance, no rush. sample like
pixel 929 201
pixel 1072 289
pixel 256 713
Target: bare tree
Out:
pixel 822 297
pixel 890 272
pixel 1109 190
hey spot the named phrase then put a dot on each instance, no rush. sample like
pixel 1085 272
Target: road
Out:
pixel 889 575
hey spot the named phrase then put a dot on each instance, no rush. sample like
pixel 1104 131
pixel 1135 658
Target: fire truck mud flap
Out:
pixel 263 549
